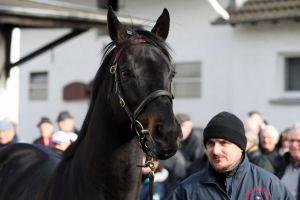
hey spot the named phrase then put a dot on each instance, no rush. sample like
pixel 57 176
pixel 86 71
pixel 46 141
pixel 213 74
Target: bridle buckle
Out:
pixel 113 69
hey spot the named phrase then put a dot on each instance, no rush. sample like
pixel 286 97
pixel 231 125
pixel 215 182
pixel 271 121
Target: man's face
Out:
pixel 66 125
pixel 294 144
pixel 268 140
pixel 223 155
pixel 46 129
pixel 6 136
pixel 186 128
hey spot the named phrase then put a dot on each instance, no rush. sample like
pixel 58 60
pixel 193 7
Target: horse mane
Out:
pixel 108 52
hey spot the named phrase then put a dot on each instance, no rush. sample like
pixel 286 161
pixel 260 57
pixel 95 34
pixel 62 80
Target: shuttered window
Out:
pixel 38 86
pixel 292 74
pixel 187 82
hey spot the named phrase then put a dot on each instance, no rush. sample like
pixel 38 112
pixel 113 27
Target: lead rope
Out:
pixel 150 164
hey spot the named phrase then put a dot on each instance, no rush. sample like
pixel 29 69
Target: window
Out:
pixel 292 74
pixel 286 82
pixel 38 86
pixel 187 82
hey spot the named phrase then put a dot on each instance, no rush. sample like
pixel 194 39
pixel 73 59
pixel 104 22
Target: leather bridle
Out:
pixel 136 125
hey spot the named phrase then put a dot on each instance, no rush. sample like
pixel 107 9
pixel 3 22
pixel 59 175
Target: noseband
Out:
pixel 136 125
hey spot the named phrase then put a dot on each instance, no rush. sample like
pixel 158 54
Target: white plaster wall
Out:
pixel 9 88
pixel 76 60
pixel 257 78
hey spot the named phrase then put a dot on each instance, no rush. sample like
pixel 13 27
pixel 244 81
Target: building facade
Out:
pixel 238 68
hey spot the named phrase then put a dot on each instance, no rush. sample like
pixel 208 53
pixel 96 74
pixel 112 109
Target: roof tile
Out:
pixel 253 11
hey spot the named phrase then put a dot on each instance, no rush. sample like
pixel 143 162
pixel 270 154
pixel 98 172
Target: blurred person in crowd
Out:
pixel 46 130
pixel 252 125
pixel 62 140
pixel 254 154
pixel 258 117
pixel 191 149
pixel 7 133
pixel 66 122
pixel 289 171
pixel 283 143
pixel 269 138
pixel 229 174
pixel 160 176
pixel 192 146
pixel 255 122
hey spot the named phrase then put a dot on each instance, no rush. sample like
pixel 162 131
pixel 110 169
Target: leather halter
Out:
pixel 136 125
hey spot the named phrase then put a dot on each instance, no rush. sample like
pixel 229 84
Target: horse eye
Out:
pixel 125 74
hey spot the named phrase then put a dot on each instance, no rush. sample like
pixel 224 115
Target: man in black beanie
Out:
pixel 228 173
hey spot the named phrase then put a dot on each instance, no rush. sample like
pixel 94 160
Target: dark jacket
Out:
pixel 287 159
pixel 178 165
pixel 245 182
pixel 192 148
pixel 257 158
pixel 275 158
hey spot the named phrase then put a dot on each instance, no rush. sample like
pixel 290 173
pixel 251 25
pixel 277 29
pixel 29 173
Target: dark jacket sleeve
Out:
pixel 176 164
pixel 178 194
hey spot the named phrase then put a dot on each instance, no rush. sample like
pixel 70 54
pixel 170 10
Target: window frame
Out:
pixel 38 86
pixel 283 96
pixel 186 80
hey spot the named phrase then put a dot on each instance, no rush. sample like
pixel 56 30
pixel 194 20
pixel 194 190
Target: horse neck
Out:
pixel 110 153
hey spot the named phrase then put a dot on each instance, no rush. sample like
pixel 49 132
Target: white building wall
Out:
pixel 258 74
pixel 75 60
pixel 9 88
pixel 240 65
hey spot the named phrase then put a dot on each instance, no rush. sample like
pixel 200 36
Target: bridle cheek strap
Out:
pixel 150 98
pixel 134 115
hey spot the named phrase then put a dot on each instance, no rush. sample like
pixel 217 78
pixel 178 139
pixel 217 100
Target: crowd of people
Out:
pixel 231 159
pixel 58 139
pixel 228 159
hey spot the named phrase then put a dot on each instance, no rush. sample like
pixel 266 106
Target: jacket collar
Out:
pixel 241 169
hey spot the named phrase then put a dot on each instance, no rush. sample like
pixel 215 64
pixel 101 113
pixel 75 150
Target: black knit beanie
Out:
pixel 226 126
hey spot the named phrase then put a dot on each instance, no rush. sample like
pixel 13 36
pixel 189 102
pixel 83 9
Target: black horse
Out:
pixel 130 109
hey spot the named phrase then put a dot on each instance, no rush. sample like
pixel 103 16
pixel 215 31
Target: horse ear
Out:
pixel 117 31
pixel 161 28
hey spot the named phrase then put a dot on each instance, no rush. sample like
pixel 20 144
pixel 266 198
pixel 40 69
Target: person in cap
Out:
pixel 46 129
pixel 191 149
pixel 66 122
pixel 7 133
pixel 228 173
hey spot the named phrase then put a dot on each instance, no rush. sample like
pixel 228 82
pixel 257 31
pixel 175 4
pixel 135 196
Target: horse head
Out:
pixel 143 74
